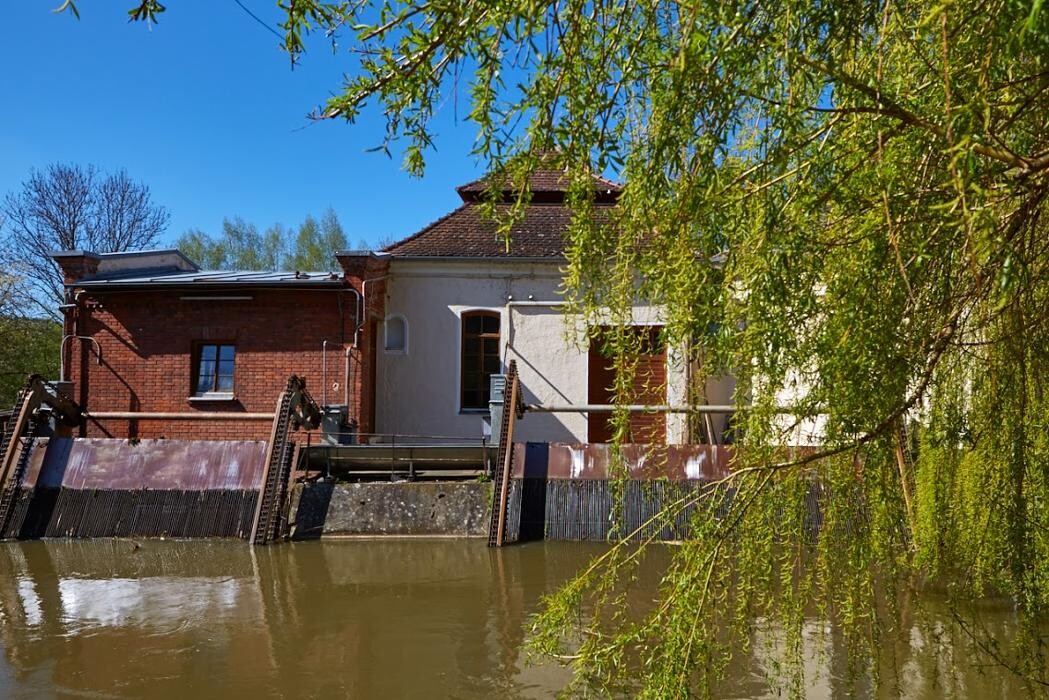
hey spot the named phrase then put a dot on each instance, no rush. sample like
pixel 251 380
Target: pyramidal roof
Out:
pixel 467 233
pixel 542 184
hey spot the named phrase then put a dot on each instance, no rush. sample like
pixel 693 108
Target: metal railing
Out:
pixel 403 455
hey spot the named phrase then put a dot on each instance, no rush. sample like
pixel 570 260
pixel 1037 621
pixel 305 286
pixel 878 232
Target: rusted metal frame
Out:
pixel 507 447
pixel 14 437
pixel 268 460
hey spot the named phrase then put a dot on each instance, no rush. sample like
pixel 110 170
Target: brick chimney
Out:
pixel 76 264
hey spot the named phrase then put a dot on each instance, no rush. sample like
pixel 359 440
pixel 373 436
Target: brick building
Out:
pixel 406 337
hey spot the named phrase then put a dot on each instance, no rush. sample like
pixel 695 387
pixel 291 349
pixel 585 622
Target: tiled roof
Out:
pixel 466 233
pixel 542 184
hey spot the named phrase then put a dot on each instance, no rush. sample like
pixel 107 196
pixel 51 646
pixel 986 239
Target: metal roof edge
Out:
pixel 361 253
pixel 205 284
pixel 482 258
pixel 76 253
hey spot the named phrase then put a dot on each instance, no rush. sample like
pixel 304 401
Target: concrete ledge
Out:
pixel 459 509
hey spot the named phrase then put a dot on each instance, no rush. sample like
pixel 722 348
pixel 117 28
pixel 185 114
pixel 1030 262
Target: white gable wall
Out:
pixel 417 391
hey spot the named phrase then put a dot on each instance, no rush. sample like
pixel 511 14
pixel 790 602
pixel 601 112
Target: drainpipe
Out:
pixel 70 325
pixel 346 376
pixel 62 350
pixel 364 307
pixel 324 373
pixel 357 331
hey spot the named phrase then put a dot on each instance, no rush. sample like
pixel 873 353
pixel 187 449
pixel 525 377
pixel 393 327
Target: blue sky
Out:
pixel 204 109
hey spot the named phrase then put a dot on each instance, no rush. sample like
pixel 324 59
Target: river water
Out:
pixel 352 618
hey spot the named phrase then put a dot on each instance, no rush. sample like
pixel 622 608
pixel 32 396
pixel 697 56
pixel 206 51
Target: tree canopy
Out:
pixel 242 247
pixel 846 197
pixel 27 345
pixel 65 207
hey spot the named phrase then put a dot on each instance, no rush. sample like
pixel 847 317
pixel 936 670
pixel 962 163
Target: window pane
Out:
pixel 480 357
pixel 226 367
pixel 226 353
pixel 395 334
pixel 206 377
pixel 225 382
pixel 473 399
pixel 207 352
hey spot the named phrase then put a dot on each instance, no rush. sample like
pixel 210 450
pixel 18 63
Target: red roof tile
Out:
pixel 545 185
pixel 465 233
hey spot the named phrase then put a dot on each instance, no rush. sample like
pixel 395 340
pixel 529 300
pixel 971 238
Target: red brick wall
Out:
pixel 367 275
pixel 147 340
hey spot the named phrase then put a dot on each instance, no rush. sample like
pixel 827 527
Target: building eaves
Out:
pixel 210 278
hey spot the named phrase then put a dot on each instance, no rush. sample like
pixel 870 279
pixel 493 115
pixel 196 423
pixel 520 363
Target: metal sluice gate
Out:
pixel 52 485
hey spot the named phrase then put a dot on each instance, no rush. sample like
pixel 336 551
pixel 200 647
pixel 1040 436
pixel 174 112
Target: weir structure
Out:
pixel 265 491
pixel 54 485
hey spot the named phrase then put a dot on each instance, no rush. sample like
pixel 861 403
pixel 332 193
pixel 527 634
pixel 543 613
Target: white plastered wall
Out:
pixel 417 391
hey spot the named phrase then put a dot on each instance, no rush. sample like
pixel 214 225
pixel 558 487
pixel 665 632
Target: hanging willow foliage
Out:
pixel 841 204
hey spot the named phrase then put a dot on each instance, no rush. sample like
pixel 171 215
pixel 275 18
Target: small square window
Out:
pixel 396 335
pixel 213 370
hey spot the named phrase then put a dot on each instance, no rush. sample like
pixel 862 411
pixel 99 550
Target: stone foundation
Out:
pixel 405 508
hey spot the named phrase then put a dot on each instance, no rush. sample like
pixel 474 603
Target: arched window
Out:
pixel 479 359
pixel 396 334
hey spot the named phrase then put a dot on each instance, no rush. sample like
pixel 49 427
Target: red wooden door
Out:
pixel 648 387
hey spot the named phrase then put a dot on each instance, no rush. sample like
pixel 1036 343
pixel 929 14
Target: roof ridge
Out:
pixel 481 182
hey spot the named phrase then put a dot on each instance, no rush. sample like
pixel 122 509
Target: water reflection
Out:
pixel 372 619
pixel 367 619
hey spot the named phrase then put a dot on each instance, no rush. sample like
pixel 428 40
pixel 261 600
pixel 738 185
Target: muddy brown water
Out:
pixel 352 618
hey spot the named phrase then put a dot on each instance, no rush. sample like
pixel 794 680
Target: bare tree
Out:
pixel 66 207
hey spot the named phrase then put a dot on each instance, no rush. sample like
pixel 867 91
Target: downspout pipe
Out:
pixel 62 351
pixel 362 317
pixel 324 373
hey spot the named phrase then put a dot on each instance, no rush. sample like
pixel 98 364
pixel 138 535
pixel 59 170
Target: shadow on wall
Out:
pixel 312 511
pixel 541 426
pixel 533 492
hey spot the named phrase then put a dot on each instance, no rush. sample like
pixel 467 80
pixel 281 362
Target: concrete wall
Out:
pixel 407 508
pixel 418 390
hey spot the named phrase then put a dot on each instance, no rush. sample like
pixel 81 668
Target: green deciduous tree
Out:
pixel 852 194
pixel 315 243
pixel 242 247
pixel 27 345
